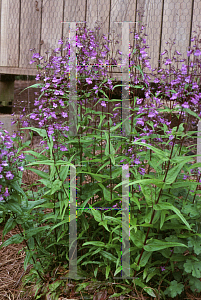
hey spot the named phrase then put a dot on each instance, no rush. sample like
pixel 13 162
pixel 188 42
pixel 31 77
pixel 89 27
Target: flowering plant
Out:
pixel 11 167
pixel 164 206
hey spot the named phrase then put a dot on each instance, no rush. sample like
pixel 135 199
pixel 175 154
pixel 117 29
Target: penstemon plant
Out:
pixel 164 207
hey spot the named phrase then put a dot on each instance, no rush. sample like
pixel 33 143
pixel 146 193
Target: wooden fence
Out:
pixel 27 24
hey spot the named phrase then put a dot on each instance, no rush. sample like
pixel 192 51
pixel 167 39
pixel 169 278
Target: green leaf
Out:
pixel 27 260
pixel 96 214
pixel 140 70
pixel 195 242
pixel 168 206
pixel 118 270
pixel 163 215
pixel 95 243
pixel 161 154
pixel 107 271
pixel 144 259
pixel 156 245
pixel 46 182
pixel 33 231
pixel 10 224
pixel 14 239
pixel 41 132
pixel 135 200
pixel 193 267
pixel 138 238
pixel 195 284
pixel 43 175
pixel 174 289
pixel 15 186
pixel 150 291
pixel 56 186
pixel 14 207
pixel 109 256
pixel 152 274
pixel 35 86
pixel 173 173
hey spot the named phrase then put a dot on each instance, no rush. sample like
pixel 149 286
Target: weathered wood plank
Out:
pixel 29 31
pixel 74 11
pixel 51 30
pixel 152 19
pixel 196 15
pixel 121 11
pixel 9 33
pixel 176 25
pixel 17 71
pixel 98 15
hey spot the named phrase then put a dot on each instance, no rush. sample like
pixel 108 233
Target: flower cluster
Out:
pixel 10 163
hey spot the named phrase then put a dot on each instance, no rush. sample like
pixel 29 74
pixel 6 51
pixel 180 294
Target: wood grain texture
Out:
pixel 51 30
pixel 176 25
pixel 29 31
pixel 196 15
pixel 153 18
pixel 25 24
pixel 9 33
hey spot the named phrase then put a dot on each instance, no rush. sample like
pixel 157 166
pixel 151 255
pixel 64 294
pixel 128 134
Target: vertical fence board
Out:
pixel 176 24
pixel 10 33
pixel 74 11
pixel 98 15
pixel 51 30
pixel 29 31
pixel 196 15
pixel 121 11
pixel 152 19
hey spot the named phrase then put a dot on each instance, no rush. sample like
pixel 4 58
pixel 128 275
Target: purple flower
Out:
pixel 140 121
pixel 63 148
pixel 194 85
pixel 96 89
pixel 64 114
pixel 1 169
pixel 103 103
pixel 125 167
pixel 88 80
pixel 185 105
pixel 61 102
pixel 0 187
pixel 136 161
pixel 21 168
pixel 33 116
pixel 189 52
pixel 156 80
pixel 4 163
pixel 9 175
pixel 188 79
pixel 60 42
pixel 197 52
pixel 139 101
pixel 174 96
pixel 162 268
pixel 1 198
pixel 6 194
pixel 168 62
